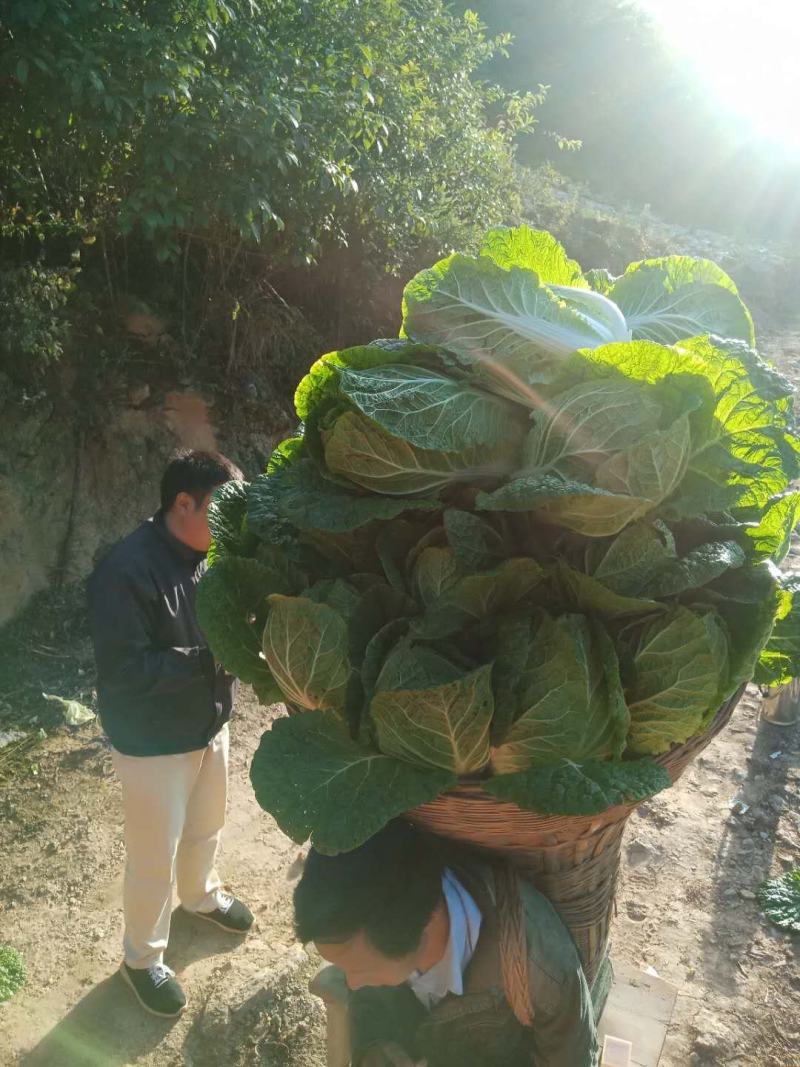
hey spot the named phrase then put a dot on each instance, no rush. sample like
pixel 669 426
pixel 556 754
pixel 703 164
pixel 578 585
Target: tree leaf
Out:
pixel 580 789
pixel 315 782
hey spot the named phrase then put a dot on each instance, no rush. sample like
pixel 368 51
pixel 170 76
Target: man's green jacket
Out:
pixel 479 1029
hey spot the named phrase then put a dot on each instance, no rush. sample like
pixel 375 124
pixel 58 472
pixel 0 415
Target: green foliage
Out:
pixel 295 124
pixel 532 577
pixel 677 662
pixel 231 606
pixel 444 725
pixel 305 647
pixel 565 697
pixel 12 972
pixel 588 789
pixel 675 297
pixel 508 316
pixel 33 328
pixel 318 783
pixel 780 899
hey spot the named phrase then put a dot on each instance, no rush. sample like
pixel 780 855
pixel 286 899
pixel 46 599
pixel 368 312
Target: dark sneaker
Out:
pixel 231 915
pixel 156 989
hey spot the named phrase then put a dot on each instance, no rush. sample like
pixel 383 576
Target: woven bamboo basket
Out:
pixel 573 860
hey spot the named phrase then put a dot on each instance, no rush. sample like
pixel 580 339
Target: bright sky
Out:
pixel 748 51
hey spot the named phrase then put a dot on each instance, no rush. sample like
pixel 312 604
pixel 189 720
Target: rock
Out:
pixel 639 852
pixel 636 911
pixel 712 1041
pixel 268 1009
pixel 138 395
pixel 747 894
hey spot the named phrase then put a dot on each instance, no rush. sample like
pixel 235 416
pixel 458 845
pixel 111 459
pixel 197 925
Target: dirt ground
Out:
pixel 61 861
pixel 686 907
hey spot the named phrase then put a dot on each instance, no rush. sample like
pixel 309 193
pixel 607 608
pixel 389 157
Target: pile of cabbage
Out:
pixel 533 542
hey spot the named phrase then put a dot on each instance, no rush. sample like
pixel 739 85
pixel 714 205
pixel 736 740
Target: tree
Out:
pixel 291 124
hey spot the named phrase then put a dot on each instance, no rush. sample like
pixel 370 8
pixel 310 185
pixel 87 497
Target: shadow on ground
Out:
pixel 747 849
pixel 108 1028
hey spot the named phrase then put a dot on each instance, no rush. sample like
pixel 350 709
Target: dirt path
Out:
pixel 686 907
pixel 60 891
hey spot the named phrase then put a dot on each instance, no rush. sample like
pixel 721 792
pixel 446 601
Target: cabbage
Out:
pixel 533 542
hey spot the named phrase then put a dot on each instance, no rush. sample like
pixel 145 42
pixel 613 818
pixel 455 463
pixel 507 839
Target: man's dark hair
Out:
pixel 388 888
pixel 197 473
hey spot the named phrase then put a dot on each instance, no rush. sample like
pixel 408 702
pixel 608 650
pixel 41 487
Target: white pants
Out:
pixel 174 809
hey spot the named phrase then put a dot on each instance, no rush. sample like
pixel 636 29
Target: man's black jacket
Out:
pixel 158 687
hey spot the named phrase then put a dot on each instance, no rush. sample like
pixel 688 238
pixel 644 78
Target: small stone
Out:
pixel 747 894
pixel 638 852
pixel 138 395
pixel 636 911
pixel 706 1043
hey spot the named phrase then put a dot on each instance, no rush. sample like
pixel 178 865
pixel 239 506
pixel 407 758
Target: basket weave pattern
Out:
pixel 572 859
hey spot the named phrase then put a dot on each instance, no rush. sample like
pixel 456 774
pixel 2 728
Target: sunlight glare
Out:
pixel 747 53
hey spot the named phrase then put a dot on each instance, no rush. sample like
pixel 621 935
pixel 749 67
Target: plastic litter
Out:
pixel 616 1052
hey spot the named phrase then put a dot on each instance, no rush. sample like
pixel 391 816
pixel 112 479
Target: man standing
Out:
pixel 164 705
pixel 423 939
